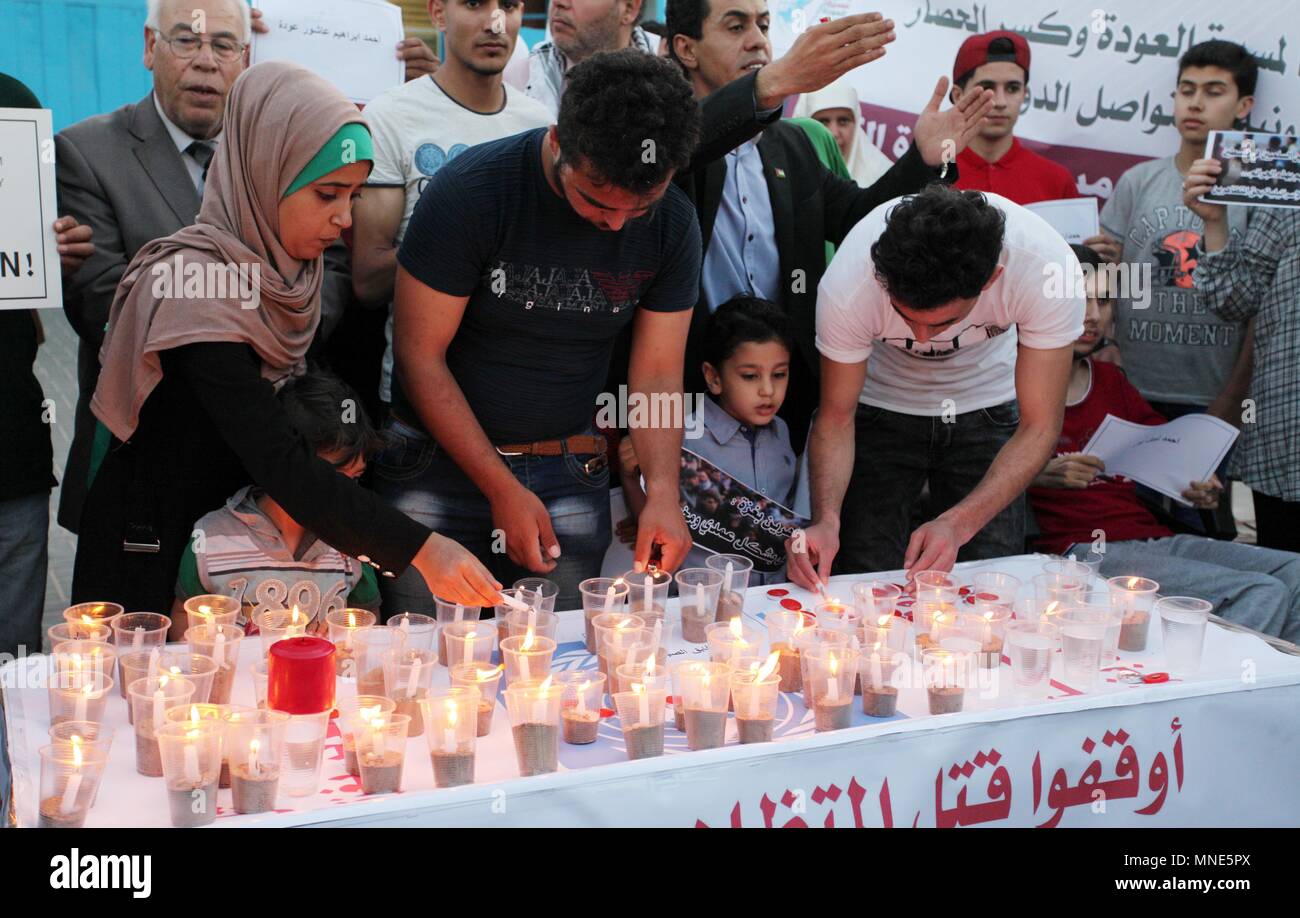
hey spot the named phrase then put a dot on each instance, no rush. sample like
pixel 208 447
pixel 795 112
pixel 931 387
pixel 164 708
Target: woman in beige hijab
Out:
pixel 205 325
pixel 837 108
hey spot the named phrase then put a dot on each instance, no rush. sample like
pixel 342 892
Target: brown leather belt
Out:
pixel 578 445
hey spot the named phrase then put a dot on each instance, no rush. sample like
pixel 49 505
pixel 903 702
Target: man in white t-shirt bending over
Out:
pixel 420 126
pixel 945 325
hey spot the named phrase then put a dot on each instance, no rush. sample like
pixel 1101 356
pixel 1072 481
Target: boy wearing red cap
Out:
pixel 994 160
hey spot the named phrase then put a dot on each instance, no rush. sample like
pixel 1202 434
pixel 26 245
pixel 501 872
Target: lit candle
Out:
pixel 449 734
pixel 726 579
pixel 413 680
pixel 83 697
pixel 769 667
pixel 532 618
pixel 191 765
pixel 377 735
pixel 539 706
pixel 405 623
pixel 219 649
pixel 643 703
pixel 832 682
pixel 254 747
pixel 69 801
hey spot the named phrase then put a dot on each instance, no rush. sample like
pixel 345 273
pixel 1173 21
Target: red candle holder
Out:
pixel 300 675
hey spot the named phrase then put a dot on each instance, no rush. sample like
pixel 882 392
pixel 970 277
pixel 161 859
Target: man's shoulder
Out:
pixel 1144 173
pixel 106 127
pixel 390 102
pixel 523 106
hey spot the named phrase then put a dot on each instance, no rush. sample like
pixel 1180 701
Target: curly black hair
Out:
pixel 743 319
pixel 631 117
pixel 938 246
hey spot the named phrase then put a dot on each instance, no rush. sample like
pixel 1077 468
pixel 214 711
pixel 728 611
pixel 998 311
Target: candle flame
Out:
pixel 194 713
pixel 352 619
pixel 623 623
pixel 484 675
pixel 528 640
pixel 1051 607
pixel 162 680
pixel 1133 582
pixel 768 667
pixel 86 619
pixel 88 689
pixel 367 715
pixel 294 615
pixel 254 747
pixel 650 664
pixel 192 734
pixel 637 688
pixel 801 627
pixel 582 688
pixel 451 713
pixel 832 663
pixel 988 616
pixel 76 752
pixel 205 610
pixel 883 621
pixel 545 686
pixel 737 628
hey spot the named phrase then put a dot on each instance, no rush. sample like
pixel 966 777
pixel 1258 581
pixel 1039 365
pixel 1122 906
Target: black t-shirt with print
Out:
pixel 548 291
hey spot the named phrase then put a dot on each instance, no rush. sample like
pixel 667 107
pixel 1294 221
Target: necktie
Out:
pixel 202 152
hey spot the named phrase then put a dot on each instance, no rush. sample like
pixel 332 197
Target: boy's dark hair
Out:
pixel 1000 49
pixel 1086 255
pixel 938 246
pixel 685 17
pixel 743 319
pixel 615 102
pixel 1229 55
pixel 330 415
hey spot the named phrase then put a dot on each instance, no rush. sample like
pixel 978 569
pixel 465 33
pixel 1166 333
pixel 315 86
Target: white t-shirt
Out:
pixel 972 362
pixel 417 128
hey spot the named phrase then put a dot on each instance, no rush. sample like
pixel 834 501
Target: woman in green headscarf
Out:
pixel 205 325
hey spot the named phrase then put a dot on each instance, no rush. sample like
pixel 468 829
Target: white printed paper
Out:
pixel 1073 218
pixel 29 256
pixel 1164 457
pixel 352 43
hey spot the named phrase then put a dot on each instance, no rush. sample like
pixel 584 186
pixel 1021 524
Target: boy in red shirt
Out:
pixel 1073 499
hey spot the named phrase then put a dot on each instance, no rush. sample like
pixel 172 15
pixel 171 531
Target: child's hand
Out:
pixel 627 457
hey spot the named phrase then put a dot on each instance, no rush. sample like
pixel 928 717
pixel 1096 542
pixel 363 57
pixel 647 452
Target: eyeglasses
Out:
pixel 187 46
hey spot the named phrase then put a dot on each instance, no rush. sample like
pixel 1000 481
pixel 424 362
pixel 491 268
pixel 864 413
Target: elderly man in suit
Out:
pixel 136 174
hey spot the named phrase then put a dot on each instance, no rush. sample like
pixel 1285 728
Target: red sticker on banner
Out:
pixel 791 604
pixel 778 592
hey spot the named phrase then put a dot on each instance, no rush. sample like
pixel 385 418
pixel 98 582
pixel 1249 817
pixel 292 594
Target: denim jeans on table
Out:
pixel 24 540
pixel 895 455
pixel 1252 586
pixel 422 480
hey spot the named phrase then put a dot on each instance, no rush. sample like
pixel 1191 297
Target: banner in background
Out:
pixel 1101 79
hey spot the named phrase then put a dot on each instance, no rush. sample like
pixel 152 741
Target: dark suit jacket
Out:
pixel 121 174
pixel 810 207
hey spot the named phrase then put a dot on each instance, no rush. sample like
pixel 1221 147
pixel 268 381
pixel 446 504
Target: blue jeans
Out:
pixel 1252 586
pixel 421 479
pixel 24 540
pixel 895 456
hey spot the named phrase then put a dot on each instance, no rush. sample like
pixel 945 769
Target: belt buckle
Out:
pixel 502 452
pixel 599 461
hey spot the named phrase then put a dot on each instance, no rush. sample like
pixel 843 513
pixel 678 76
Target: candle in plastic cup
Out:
pixel 485 678
pixel 837 616
pixel 527 658
pixel 79 696
pixel 601 594
pixel 641 712
pixel 1083 639
pixel 1065 589
pixel 538 592
pixel 369 644
pixel 93 613
pixel 755 689
pixel 211 609
pixel 151 698
pixel 451 717
pixel 304 743
pixel 340 626
pixel 421 630
pixel 137 632
pixel 354 713
pixel 873 599
pixel 220 643
pixel 988 625
pixel 196 712
pixel 1068 569
pixel 581 699
pixel 191 761
pixel 199 669
pixel 85 734
pixel 706 694
pixel 1136 598
pixel 470 642
pixel 731 639
pixel 381 753
pixel 78 631
pixel 878 668
pixel 648 594
pixel 448 613
pixel 932 580
pixel 277 624
pixel 995 588
pixel 1182 625
pixel 544 624
pixel 808 642
pixel 929 603
pixel 85 657
pixel 678 680
pixel 833 671
pixel 946 674
pixel 1031 645
pixel 408 679
pixel 70 777
pixel 698 591
pixel 782 628
pixel 735 581
pixel 607 623
pixel 254 749
pixel 534 709
pixel 640 663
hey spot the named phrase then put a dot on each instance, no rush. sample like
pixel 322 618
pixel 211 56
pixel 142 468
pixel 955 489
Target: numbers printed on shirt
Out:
pixel 275 595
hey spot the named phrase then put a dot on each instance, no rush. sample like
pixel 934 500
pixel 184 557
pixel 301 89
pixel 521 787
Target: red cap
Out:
pixel 300 675
pixel 974 52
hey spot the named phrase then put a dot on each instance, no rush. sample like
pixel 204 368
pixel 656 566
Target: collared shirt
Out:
pixel 742 257
pixel 1021 175
pixel 548 69
pixel 183 141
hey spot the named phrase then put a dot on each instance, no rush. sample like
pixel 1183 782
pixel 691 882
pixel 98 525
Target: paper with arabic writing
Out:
pixel 1164 457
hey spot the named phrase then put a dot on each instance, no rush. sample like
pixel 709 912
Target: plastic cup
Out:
pixel 581 701
pixel 1030 645
pixel 527 660
pixel 809 641
pixel 304 743
pixel 1113 616
pixel 832 671
pixel 211 609
pixel 642 661
pixel 650 603
pixel 70 780
pixel 754 700
pixel 354 713
pixel 277 624
pixel 136 632
pixel 544 624
pixel 946 674
pixel 1083 639
pixel 79 631
pixel 199 669
pixel 782 627
pixel 837 616
pixel 448 613
pixel 1135 597
pixel 133 666
pixel 86 735
pixel 191 758
pixel 484 678
pixel 369 645
pixel 421 630
pixel 85 657
pixel 706 695
pixel 254 750
pixel 469 642
pixel 731 598
pixel 728 640
pixel 537 592
pixel 93 613
pixel 534 709
pixel 79 696
pixel 874 599
pixel 641 712
pixel 1068 569
pixel 678 679
pixel 610 622
pixel 408 679
pixel 930 581
pixel 877 667
pixel 195 712
pixel 988 625
pixel 151 698
pixel 597 598
pixel 993 588
pixel 451 716
pixel 698 590
pixel 1091 560
pixel 261 677
pixel 340 626
pixel 501 612
pixel 1066 589
pixel 220 643
pixel 381 752
pixel 934 601
pixel 1182 624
